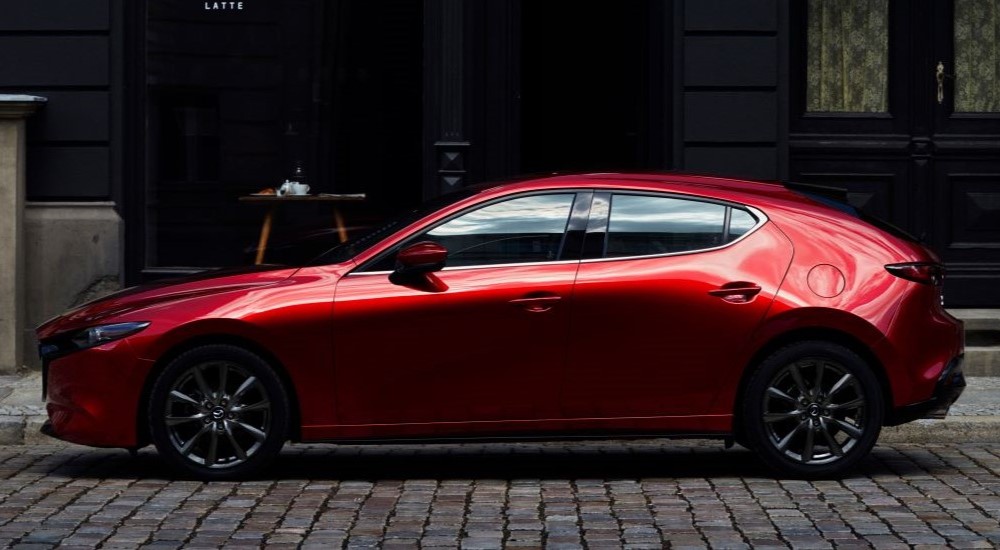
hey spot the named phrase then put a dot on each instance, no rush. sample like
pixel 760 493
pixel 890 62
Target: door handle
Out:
pixel 536 304
pixel 940 75
pixel 739 292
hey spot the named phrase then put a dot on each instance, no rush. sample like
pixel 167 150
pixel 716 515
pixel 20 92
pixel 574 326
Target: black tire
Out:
pixel 228 434
pixel 801 432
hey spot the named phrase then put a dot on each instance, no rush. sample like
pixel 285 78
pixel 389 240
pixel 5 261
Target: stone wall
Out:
pixel 69 248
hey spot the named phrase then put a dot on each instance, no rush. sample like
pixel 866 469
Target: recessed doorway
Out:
pixel 592 86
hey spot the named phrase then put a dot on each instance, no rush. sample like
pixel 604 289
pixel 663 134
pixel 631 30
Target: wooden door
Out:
pixel 868 115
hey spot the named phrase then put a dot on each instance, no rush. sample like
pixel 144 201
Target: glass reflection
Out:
pixel 535 214
pixel 525 229
pixel 643 225
pixel 740 221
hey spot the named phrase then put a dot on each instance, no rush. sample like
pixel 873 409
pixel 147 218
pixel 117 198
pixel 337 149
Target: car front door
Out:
pixel 483 340
pixel 671 293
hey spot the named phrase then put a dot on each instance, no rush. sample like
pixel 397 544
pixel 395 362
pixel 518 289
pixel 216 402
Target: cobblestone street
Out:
pixel 647 494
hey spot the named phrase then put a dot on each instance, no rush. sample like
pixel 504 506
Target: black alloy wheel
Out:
pixel 813 409
pixel 218 412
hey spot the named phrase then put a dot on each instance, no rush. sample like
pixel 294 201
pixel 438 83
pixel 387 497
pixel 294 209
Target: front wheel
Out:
pixel 813 409
pixel 218 412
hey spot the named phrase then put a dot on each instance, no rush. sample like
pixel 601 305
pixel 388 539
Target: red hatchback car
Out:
pixel 600 305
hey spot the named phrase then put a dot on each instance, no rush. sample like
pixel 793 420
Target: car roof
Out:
pixel 700 185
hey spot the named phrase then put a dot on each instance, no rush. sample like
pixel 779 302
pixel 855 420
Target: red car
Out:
pixel 601 305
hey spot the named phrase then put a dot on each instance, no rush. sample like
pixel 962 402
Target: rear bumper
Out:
pixel 949 387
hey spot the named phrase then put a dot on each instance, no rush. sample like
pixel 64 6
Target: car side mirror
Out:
pixel 416 260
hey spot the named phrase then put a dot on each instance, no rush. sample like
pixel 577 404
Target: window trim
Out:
pixel 571 218
pixel 755 212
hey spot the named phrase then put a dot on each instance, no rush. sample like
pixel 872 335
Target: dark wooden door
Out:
pixel 923 156
pixel 964 207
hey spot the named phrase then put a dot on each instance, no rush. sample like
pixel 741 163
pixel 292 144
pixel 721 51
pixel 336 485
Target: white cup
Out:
pixel 293 188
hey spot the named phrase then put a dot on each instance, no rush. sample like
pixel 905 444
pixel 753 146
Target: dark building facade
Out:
pixel 166 111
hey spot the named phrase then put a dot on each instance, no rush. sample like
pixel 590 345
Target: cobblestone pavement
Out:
pixel 647 494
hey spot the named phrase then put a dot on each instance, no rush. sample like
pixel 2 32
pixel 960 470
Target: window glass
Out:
pixel 525 229
pixel 740 221
pixel 977 56
pixel 847 56
pixel 644 225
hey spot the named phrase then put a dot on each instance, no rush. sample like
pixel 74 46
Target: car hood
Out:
pixel 143 296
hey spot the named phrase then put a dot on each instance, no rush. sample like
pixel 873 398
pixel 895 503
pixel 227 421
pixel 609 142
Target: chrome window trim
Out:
pixel 757 213
pixel 484 266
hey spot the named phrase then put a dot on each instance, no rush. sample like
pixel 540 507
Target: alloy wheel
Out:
pixel 217 415
pixel 814 411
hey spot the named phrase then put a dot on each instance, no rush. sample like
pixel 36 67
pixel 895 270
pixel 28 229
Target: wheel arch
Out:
pixel 178 348
pixel 803 334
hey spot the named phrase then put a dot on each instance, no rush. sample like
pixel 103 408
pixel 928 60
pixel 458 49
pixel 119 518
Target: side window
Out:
pixel 525 229
pixel 645 225
pixel 740 221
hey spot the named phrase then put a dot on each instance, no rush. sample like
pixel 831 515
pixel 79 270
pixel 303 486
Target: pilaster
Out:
pixel 14 109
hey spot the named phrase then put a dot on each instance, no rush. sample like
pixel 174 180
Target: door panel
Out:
pixel 967 215
pixel 872 186
pixel 649 338
pixel 460 352
pixel 965 205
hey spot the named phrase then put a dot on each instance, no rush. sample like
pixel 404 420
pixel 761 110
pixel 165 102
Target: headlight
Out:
pixel 95 336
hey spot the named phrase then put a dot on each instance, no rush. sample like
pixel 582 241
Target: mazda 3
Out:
pixel 590 306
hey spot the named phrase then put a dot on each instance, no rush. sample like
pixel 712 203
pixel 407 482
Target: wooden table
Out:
pixel 272 202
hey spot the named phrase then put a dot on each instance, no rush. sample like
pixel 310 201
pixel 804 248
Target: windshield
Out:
pixel 354 246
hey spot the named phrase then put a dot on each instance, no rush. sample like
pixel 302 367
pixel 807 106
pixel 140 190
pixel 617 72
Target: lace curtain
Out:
pixel 977 56
pixel 847 56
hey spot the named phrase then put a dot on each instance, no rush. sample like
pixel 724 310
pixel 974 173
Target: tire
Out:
pixel 210 434
pixel 805 433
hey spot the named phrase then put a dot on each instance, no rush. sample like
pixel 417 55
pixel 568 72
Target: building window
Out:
pixel 848 56
pixel 977 56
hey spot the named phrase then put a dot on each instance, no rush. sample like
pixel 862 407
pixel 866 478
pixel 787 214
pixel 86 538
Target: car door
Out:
pixel 668 293
pixel 483 340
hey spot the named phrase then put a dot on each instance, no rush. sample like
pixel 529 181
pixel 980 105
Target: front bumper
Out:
pixel 93 395
pixel 949 387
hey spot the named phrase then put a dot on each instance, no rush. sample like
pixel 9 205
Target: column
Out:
pixel 13 111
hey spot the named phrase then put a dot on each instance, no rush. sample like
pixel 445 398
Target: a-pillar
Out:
pixel 14 109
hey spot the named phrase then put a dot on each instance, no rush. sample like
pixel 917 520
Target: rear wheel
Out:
pixel 813 409
pixel 218 412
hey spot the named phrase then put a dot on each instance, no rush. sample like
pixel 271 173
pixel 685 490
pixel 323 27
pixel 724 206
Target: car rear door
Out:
pixel 666 298
pixel 484 342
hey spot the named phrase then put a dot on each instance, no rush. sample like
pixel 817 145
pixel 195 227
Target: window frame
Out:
pixel 579 213
pixel 895 120
pixel 605 220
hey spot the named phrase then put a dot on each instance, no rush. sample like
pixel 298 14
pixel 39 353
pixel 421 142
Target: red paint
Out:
pixel 425 253
pixel 654 344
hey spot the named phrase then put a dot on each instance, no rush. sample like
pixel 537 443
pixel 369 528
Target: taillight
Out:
pixel 928 274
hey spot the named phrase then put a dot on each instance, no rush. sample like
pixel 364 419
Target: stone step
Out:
pixel 978 319
pixel 982 340
pixel 982 361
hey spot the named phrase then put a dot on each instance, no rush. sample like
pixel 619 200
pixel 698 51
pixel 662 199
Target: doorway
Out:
pixel 903 111
pixel 593 94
